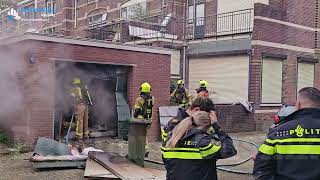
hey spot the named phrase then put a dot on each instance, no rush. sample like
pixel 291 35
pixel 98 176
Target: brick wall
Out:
pixel 154 68
pixel 282 34
pixel 235 118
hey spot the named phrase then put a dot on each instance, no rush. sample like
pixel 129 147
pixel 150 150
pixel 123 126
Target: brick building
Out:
pixel 262 51
pixel 39 81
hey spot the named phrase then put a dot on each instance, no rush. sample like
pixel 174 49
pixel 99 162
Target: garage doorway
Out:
pixel 103 81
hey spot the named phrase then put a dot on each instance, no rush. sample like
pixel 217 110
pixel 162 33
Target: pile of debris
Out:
pixel 50 154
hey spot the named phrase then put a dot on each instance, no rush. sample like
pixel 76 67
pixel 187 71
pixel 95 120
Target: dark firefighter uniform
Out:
pixel 180 95
pixel 81 109
pixel 292 149
pixel 195 155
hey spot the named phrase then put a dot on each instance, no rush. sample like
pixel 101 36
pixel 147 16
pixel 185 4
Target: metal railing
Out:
pixel 175 28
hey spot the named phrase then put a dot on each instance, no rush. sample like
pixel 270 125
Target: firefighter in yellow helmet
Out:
pixel 81 109
pixel 202 90
pixel 180 95
pixel 143 106
pixel 144 103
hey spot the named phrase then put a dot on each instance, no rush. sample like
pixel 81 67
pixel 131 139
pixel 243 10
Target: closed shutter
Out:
pixel 305 75
pixel 227 76
pixel 271 80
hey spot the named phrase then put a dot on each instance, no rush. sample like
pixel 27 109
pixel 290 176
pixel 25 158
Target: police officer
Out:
pixel 180 95
pixel 292 150
pixel 81 109
pixel 199 104
pixel 189 153
pixel 202 90
pixel 143 106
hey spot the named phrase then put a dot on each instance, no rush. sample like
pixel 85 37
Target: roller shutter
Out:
pixel 227 76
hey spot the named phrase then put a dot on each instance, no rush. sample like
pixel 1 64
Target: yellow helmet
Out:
pixel 145 87
pixel 180 82
pixel 203 84
pixel 76 81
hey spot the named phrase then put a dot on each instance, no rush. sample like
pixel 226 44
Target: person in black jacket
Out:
pixel 292 149
pixel 199 104
pixel 189 153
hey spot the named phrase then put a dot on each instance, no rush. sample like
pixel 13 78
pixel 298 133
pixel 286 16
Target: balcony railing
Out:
pixel 175 28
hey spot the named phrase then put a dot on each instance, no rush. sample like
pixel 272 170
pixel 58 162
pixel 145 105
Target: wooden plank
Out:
pixel 59 164
pixel 122 167
pixel 95 170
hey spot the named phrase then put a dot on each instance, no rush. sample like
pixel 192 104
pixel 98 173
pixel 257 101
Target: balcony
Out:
pixel 167 28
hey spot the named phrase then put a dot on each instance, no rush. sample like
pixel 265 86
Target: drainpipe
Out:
pixel 75 13
pixel 184 64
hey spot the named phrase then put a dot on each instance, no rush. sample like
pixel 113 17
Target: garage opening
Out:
pixel 103 82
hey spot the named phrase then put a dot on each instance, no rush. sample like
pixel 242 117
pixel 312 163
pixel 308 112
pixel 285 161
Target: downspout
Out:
pixel 75 13
pixel 184 64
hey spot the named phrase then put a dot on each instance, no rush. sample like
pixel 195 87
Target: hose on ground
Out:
pixel 223 166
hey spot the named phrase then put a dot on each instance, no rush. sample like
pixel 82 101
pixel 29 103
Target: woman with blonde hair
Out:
pixel 190 153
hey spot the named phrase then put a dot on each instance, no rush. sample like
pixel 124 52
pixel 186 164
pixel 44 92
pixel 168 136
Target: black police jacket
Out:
pixel 292 149
pixel 195 155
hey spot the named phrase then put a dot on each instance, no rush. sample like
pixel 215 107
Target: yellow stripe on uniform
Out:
pixel 164 135
pixel 266 149
pixel 189 153
pixel 298 149
pixel 208 150
pixel 273 141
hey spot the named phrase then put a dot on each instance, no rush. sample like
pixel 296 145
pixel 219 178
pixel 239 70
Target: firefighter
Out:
pixel 291 150
pixel 189 153
pixel 144 103
pixel 180 95
pixel 143 106
pixel 202 90
pixel 81 109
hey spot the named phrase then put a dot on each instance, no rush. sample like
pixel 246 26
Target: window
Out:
pixel 50 6
pixel 49 30
pixel 90 1
pixel 97 19
pixel 124 13
pixel 190 14
pixel 28 12
pixel 136 10
pixel 200 14
pixel 271 81
pixel 305 75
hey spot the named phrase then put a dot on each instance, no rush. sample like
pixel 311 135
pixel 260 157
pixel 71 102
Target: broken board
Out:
pixel 95 170
pixel 122 167
pixel 59 164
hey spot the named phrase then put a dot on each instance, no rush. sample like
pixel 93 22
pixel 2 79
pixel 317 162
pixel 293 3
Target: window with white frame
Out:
pixel 51 6
pixel 271 92
pixel 305 75
pixel 133 9
pixel 97 19
pixel 199 12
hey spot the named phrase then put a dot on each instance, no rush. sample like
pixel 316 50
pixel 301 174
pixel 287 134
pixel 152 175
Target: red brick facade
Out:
pixel 38 83
pixel 294 11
